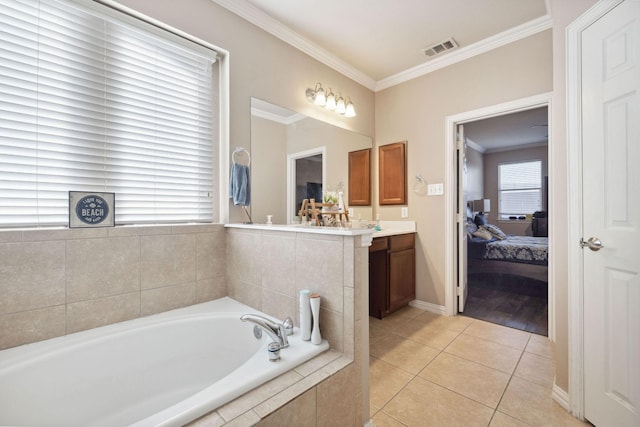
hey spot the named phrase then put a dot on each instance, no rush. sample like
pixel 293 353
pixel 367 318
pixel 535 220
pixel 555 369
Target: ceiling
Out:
pixel 524 128
pixel 378 42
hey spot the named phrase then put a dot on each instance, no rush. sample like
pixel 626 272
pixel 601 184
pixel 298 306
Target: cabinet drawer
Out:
pixel 400 242
pixel 378 244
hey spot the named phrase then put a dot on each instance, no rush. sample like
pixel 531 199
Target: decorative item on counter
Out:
pixel 305 314
pixel 340 202
pixel 316 338
pixel 378 228
pixel 330 197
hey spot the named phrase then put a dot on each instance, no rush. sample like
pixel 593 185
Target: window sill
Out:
pixel 514 221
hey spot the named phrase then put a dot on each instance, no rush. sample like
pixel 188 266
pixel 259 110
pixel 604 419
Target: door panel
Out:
pixel 611 213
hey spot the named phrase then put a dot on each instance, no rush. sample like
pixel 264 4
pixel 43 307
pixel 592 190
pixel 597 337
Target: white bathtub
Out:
pixel 162 370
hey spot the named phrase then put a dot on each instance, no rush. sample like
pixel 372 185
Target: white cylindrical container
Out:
pixel 305 314
pixel 316 338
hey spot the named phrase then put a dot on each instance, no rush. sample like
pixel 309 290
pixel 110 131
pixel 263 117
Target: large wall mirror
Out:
pixel 294 155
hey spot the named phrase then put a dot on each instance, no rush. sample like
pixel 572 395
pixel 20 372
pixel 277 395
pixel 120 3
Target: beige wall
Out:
pixel 491 162
pixel 416 111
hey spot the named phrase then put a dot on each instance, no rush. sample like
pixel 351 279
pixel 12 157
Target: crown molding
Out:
pixel 475 145
pixel 514 34
pixel 260 19
pixel 257 112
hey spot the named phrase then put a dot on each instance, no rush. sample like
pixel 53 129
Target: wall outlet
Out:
pixel 351 213
pixel 435 189
pixel 404 212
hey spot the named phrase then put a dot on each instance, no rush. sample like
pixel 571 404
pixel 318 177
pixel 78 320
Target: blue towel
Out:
pixel 239 187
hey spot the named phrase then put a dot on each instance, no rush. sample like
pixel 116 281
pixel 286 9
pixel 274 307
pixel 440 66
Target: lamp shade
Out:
pixel 482 205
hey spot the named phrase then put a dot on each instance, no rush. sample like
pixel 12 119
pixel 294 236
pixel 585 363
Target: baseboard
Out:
pixel 369 423
pixel 561 397
pixel 433 308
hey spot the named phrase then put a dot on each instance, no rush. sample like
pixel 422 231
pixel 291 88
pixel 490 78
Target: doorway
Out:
pixel 506 166
pixel 457 213
pixel 306 172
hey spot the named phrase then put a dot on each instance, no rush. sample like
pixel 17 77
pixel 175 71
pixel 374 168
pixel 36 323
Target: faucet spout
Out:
pixel 275 330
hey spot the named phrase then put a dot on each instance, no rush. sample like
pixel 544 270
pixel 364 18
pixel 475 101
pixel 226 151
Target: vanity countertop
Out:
pixel 299 228
pixel 392 228
pixel 389 228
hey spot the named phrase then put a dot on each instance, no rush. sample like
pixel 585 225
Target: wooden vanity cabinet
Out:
pixel 392 274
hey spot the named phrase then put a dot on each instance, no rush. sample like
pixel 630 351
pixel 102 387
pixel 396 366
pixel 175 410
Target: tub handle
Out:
pixel 288 325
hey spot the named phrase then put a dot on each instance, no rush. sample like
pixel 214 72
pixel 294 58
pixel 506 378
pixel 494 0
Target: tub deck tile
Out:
pixel 258 395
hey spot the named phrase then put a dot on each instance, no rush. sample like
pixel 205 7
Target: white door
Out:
pixel 461 218
pixel 611 216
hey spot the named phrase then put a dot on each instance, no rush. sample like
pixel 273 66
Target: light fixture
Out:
pixel 350 110
pixel 330 101
pixel 482 206
pixel 340 106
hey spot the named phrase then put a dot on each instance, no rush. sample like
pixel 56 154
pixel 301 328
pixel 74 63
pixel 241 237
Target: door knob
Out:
pixel 593 243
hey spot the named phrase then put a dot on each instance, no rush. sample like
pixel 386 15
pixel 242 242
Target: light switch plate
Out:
pixel 435 189
pixel 404 212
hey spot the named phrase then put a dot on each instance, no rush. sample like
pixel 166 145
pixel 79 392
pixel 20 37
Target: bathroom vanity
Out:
pixel 392 271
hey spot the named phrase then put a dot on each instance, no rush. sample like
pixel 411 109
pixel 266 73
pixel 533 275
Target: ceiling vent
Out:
pixel 441 47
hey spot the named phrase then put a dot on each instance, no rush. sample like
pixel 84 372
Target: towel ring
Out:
pixel 241 156
pixel 420 185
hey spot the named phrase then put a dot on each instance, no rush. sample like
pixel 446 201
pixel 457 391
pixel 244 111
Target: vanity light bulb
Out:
pixel 340 107
pixel 350 111
pixel 320 99
pixel 331 101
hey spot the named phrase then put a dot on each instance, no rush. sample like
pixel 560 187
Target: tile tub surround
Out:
pixel 268 266
pixel 44 296
pixel 58 281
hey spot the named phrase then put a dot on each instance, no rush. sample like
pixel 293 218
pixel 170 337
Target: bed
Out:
pixel 492 251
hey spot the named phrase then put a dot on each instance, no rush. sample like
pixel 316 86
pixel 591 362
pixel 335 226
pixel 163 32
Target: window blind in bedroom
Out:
pixel 519 188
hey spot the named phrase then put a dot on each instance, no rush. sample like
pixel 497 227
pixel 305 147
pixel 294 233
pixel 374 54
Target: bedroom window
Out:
pixel 95 100
pixel 519 188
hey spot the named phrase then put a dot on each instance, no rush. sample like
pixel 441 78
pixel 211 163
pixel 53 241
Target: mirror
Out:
pixel 282 139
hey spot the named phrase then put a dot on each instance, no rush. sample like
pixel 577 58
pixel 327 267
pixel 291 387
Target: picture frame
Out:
pixel 91 209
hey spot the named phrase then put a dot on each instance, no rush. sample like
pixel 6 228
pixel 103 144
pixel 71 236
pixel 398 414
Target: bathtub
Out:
pixel 161 370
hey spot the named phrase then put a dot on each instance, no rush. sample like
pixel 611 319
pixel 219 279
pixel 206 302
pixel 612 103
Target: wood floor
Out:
pixel 508 300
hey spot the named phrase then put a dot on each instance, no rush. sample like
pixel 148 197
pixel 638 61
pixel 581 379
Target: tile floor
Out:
pixel 431 370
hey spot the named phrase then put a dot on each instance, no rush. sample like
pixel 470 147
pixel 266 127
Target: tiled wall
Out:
pixel 267 270
pixel 55 282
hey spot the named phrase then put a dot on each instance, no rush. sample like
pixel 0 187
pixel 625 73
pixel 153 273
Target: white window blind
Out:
pixel 519 188
pixel 93 100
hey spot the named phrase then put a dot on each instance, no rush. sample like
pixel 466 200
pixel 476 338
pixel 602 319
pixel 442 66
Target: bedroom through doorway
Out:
pixel 503 195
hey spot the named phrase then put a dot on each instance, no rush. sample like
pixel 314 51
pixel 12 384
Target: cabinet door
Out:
pixel 392 174
pixel 360 178
pixel 402 282
pixel 378 289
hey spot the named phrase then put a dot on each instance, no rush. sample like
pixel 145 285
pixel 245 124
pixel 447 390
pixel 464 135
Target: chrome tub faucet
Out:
pixel 277 331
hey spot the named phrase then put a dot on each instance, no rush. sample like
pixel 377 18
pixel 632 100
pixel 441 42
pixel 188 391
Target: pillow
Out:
pixel 480 220
pixel 495 231
pixel 471 227
pixel 483 234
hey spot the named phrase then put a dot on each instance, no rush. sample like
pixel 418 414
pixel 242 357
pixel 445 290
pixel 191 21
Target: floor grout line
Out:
pixel 458 333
